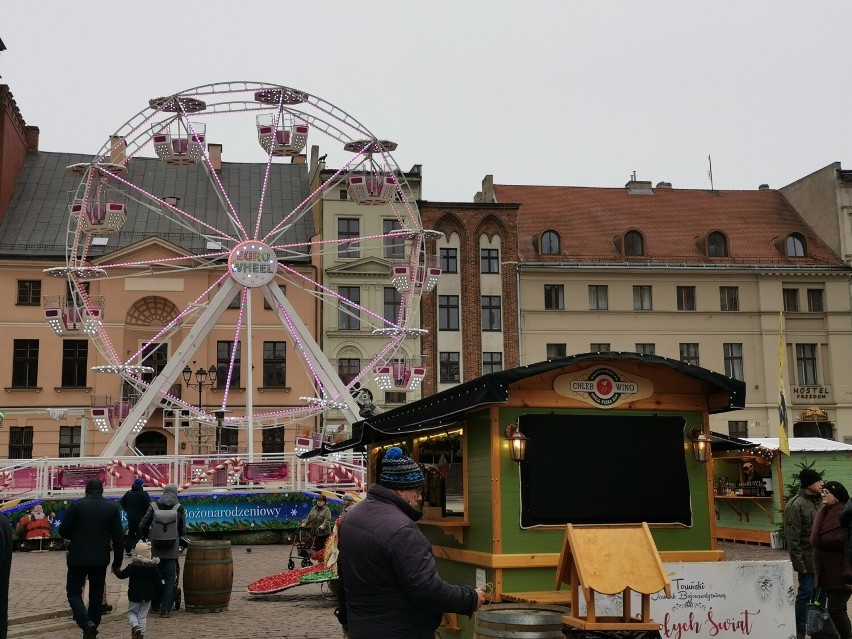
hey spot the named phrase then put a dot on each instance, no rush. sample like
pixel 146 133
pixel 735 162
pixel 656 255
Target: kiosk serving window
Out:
pixel 602 469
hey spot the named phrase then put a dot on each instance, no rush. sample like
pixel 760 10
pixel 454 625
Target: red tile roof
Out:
pixel 671 221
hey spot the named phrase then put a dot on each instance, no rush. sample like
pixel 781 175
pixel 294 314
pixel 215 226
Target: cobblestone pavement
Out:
pixel 38 608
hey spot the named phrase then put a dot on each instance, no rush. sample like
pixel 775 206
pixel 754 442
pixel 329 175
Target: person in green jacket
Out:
pixel 798 519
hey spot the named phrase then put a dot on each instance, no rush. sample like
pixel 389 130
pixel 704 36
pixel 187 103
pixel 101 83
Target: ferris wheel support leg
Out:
pixel 328 376
pixel 172 369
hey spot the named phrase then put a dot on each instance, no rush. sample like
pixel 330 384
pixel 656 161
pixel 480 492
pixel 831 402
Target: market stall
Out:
pixel 751 485
pixel 593 439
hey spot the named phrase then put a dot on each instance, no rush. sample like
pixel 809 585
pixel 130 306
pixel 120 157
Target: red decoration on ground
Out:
pixel 281 581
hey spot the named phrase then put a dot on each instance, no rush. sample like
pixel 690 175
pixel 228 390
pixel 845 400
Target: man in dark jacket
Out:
pixel 90 525
pixel 799 516
pixel 390 585
pixel 5 570
pixel 135 503
pixel 168 555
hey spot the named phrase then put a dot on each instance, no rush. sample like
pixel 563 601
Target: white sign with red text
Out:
pixel 719 600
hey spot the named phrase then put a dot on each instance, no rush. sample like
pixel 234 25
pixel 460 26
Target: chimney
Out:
pixel 763 187
pixel 299 159
pixel 31 134
pixel 214 152
pixel 487 193
pixel 117 150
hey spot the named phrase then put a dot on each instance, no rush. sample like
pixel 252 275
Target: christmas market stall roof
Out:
pixel 449 407
pixel 803 444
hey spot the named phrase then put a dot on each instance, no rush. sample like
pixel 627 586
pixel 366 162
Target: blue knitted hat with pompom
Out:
pixel 400 472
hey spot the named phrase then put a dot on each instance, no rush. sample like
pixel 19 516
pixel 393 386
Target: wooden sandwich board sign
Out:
pixel 611 560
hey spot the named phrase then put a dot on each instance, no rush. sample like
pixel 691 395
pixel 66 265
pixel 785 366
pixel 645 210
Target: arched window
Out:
pixel 795 245
pixel 550 243
pixel 151 443
pixel 717 245
pixel 634 244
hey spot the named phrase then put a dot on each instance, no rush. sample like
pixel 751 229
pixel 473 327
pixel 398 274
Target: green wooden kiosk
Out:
pixel 610 439
pixel 749 515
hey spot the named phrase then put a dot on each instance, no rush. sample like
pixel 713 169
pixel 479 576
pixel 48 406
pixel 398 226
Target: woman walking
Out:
pixel 828 536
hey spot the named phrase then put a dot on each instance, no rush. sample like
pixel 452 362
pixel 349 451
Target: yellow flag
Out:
pixel 783 424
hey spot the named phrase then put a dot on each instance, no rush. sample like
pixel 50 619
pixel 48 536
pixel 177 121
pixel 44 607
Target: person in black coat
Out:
pixel 390 585
pixel 135 503
pixel 90 525
pixel 5 570
pixel 145 585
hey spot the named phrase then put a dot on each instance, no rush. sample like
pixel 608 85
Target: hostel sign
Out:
pixel 603 387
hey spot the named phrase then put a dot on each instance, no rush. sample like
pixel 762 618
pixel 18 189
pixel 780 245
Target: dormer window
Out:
pixel 795 245
pixel 717 245
pixel 550 244
pixel 634 243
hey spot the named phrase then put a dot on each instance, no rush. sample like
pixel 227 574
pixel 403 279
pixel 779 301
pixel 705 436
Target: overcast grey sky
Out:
pixel 535 92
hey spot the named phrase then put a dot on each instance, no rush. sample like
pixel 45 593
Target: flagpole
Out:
pixel 783 421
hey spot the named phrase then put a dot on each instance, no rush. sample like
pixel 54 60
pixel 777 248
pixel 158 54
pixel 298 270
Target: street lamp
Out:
pixel 201 383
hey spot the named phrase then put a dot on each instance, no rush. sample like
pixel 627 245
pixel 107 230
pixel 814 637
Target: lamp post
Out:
pixel 200 384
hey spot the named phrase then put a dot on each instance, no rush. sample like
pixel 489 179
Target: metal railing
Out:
pixel 53 478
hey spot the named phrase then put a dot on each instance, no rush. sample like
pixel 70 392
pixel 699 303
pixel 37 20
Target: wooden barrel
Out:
pixel 519 621
pixel 208 576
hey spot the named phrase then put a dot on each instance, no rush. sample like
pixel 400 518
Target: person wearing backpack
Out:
pixel 163 525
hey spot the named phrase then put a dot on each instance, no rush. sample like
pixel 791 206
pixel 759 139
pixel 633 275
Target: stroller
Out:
pixel 303 546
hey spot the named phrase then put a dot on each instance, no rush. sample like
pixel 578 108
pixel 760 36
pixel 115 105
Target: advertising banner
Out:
pixel 719 599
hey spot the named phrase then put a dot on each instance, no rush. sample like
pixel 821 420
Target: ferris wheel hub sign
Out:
pixel 252 263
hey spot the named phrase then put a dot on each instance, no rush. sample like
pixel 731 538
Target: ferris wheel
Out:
pixel 246 237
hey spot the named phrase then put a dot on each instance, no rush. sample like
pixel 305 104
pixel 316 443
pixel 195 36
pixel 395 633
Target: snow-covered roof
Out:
pixel 803 444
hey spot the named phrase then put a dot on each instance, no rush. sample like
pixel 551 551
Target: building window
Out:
pixel 395 397
pixel 646 349
pixel 806 364
pixel 815 300
pixel 556 350
pixel 554 297
pixel 274 364
pixel 598 297
pixel 155 355
pixel 448 312
pixel 25 363
pixel 599 347
pixel 393 304
pixel 729 298
pixel 348 369
pixel 348 310
pixel 634 244
pixel 686 298
pixel 717 245
pixel 489 260
pixel 236 302
pixel 342 194
pixel 550 244
pixel 223 365
pixel 273 440
pixel 69 441
pixel 394 245
pixel 266 304
pixel 29 293
pixel 734 360
pixel 642 298
pixel 348 232
pixel 229 439
pixel 491 313
pixel 795 245
pixel 75 362
pixel 738 428
pixel 449 367
pixel 449 260
pixel 21 442
pixel 689 353
pixel 791 300
pixel 492 363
